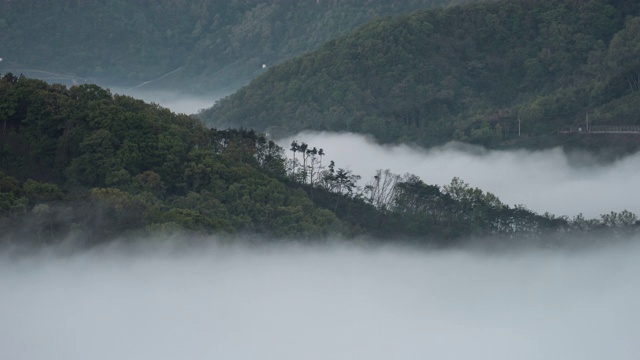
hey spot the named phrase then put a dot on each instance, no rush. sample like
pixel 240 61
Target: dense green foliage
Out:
pixel 211 44
pixel 103 165
pixel 490 73
pixel 82 163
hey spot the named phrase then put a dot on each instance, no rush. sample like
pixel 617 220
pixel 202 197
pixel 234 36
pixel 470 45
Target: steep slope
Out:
pixel 493 73
pixel 190 45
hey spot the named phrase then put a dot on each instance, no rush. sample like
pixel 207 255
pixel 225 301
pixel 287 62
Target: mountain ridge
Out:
pixel 489 73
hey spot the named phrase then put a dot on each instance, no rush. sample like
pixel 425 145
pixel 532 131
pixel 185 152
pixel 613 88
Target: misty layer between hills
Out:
pixel 544 181
pixel 321 302
pixel 175 101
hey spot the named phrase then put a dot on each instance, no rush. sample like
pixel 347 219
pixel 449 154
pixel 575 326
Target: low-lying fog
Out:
pixel 175 101
pixel 321 302
pixel 543 181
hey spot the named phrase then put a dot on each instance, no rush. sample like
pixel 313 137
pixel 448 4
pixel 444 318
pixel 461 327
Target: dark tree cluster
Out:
pixel 80 160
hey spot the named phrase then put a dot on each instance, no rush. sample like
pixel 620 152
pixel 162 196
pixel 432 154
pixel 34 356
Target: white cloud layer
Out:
pixel 541 180
pixel 322 302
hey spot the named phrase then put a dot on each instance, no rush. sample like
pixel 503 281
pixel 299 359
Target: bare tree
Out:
pixel 382 188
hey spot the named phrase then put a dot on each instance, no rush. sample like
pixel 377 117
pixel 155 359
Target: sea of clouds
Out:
pixel 321 302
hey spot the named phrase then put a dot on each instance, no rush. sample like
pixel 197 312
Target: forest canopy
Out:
pixel 503 73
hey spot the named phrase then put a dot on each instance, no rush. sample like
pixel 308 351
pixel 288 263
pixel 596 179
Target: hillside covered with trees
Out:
pixel 191 46
pixel 503 73
pixel 80 163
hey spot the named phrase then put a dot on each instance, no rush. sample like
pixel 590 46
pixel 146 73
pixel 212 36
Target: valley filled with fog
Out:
pixel 348 299
pixel 131 232
pixel 174 101
pixel 544 181
pixel 321 302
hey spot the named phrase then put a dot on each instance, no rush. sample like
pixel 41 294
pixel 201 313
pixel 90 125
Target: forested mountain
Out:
pixel 83 160
pixel 84 164
pixel 491 73
pixel 200 45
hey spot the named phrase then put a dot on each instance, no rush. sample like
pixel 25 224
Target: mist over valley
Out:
pixel 180 103
pixel 319 179
pixel 320 301
pixel 553 180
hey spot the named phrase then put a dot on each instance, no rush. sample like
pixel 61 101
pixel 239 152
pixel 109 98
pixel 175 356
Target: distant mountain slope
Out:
pixel 491 73
pixel 192 45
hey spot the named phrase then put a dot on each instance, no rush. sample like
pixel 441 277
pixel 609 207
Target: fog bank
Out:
pixel 175 101
pixel 541 180
pixel 321 302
